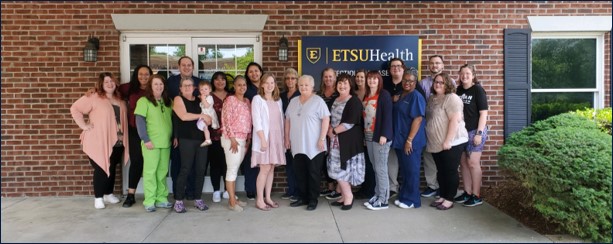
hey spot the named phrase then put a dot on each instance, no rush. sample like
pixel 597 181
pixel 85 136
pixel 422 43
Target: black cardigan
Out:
pixel 351 142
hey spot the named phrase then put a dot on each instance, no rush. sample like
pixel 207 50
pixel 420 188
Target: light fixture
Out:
pixel 283 48
pixel 90 52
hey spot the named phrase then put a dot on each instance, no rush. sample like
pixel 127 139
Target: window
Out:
pixel 162 58
pixel 565 73
pixel 230 55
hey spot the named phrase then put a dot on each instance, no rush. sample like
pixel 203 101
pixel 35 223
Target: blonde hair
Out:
pixel 275 92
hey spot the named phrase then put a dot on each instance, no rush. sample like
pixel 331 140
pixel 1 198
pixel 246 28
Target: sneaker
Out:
pixel 397 202
pixel 180 207
pixel 371 201
pixel 226 195
pixel 462 198
pixel 393 194
pixel 99 203
pixel 150 208
pixel 429 192
pixel 377 206
pixel 217 196
pixel 110 198
pixel 286 196
pixel 250 195
pixel 334 195
pixel 129 201
pixel 403 205
pixel 200 205
pixel 294 199
pixel 473 201
pixel 325 193
pixel 163 205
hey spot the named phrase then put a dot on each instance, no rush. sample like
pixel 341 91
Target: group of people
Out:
pixel 344 133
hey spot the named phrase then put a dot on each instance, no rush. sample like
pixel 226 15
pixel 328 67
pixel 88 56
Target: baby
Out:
pixel 206 104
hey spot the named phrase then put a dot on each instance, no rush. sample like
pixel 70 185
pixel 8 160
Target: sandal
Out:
pixel 435 204
pixel 266 208
pixel 273 205
pixel 442 207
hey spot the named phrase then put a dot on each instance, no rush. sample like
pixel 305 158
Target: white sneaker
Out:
pixel 99 203
pixel 217 196
pixel 402 205
pixel 226 195
pixel 110 198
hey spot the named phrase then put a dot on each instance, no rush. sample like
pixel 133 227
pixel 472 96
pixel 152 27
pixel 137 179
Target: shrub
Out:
pixel 566 164
pixel 561 120
pixel 542 111
pixel 602 117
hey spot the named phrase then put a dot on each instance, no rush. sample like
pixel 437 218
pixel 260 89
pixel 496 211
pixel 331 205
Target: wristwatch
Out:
pixel 480 132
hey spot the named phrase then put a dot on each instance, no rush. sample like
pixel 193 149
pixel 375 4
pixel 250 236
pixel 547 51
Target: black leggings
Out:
pixel 136 158
pixel 193 159
pixel 217 160
pixel 447 163
pixel 104 184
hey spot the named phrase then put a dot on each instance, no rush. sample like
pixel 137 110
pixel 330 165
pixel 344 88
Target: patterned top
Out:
pixel 236 118
pixel 217 106
pixel 370 111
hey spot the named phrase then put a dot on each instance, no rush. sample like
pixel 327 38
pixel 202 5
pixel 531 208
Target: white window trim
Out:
pixel 600 65
pixel 570 23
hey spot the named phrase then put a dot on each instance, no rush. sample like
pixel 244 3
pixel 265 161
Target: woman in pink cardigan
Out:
pixel 103 137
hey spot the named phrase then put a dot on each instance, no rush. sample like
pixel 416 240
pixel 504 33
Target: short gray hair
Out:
pixel 309 79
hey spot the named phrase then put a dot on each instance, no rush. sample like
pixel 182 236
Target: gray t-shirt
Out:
pixel 305 124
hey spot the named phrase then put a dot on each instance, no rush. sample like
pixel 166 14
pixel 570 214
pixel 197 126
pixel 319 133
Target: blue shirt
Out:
pixel 405 110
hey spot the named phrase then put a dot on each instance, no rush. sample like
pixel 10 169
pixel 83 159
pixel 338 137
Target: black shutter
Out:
pixel 517 80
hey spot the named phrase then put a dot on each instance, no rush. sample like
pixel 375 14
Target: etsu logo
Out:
pixel 313 54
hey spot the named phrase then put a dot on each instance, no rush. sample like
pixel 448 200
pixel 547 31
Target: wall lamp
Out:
pixel 90 52
pixel 283 44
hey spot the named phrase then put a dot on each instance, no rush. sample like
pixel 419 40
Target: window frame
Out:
pixel 189 39
pixel 599 90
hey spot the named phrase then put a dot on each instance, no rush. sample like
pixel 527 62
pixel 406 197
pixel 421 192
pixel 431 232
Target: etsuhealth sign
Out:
pixel 346 54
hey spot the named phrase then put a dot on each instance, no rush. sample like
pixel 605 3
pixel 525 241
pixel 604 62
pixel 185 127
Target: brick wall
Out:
pixel 43 71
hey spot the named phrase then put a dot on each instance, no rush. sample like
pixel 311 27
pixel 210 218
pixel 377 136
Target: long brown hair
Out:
pixel 99 89
pixel 374 73
pixel 275 92
pixel 149 91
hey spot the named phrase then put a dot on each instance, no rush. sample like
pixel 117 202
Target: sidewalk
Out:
pixel 74 219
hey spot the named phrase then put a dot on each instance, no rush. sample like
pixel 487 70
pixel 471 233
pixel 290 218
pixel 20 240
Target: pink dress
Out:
pixel 275 154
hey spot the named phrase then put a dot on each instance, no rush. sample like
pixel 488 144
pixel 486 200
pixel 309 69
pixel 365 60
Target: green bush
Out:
pixel 566 164
pixel 602 117
pixel 542 111
pixel 561 120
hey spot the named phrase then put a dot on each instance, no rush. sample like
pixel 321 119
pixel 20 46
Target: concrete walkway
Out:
pixel 74 219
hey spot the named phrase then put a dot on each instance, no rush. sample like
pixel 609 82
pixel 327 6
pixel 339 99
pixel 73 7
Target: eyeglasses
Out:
pixel 409 81
pixel 187 85
pixel 396 66
pixel 290 78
